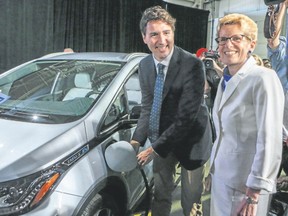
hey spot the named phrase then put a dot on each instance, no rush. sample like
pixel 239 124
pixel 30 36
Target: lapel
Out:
pixel 222 98
pixel 234 82
pixel 173 69
pixel 230 88
pixel 150 69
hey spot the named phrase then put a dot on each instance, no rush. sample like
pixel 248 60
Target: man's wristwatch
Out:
pixel 249 200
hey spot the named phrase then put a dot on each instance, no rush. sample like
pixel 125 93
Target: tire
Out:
pixel 101 205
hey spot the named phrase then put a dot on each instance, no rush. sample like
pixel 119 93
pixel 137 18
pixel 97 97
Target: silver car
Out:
pixel 65 120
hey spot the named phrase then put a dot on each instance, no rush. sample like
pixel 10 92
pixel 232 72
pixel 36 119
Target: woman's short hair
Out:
pixel 248 26
pixel 156 13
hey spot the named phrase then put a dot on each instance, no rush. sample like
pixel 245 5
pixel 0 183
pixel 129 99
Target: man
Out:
pixel 276 50
pixel 182 130
pixel 201 53
pixel 276 45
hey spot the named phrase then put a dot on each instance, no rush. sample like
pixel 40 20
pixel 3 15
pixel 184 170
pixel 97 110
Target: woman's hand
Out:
pixel 246 209
pixel 249 204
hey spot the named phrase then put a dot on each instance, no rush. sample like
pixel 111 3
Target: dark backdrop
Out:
pixel 32 28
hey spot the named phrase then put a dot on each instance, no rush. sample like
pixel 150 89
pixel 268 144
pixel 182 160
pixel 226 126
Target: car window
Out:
pixel 118 109
pixel 133 90
pixel 129 97
pixel 59 91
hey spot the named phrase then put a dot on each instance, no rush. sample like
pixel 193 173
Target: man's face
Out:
pixel 159 38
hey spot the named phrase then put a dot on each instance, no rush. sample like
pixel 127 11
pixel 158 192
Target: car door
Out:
pixel 134 96
pixel 118 120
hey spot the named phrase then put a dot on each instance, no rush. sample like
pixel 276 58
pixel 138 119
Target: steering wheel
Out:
pixel 93 92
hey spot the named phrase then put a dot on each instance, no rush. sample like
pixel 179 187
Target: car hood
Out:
pixel 26 148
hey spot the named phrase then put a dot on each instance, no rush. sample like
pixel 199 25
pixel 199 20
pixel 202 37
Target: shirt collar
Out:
pixel 165 61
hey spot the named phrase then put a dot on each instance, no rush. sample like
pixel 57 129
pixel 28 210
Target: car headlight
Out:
pixel 20 195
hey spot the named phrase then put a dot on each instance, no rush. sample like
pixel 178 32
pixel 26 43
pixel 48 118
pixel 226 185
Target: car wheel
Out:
pixel 101 205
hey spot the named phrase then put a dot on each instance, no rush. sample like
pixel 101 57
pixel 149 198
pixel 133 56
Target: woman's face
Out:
pixel 234 51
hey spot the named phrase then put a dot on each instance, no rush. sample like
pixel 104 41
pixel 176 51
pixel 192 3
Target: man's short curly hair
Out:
pixel 156 13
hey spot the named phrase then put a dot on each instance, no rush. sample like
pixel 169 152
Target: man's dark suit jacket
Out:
pixel 184 116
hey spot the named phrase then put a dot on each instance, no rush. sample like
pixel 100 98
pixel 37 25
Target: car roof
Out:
pixel 101 56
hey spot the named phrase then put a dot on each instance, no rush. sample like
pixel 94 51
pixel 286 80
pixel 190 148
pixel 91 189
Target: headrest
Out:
pixel 82 80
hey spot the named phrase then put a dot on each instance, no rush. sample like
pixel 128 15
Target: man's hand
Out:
pixel 146 156
pixel 277 22
pixel 282 183
pixel 136 145
pixel 286 3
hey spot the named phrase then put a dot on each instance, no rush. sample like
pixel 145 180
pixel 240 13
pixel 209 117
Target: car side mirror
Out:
pixel 121 157
pixel 135 112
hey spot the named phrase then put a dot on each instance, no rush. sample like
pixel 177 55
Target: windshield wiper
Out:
pixel 23 115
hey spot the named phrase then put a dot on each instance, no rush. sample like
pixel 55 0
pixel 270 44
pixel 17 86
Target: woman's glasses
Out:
pixel 234 39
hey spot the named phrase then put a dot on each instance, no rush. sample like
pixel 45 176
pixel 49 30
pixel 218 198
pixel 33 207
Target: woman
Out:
pixel 247 113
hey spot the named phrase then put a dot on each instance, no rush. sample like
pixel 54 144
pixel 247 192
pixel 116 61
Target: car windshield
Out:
pixel 54 91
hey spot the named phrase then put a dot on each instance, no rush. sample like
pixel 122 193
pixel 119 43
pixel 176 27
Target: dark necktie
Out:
pixel 156 106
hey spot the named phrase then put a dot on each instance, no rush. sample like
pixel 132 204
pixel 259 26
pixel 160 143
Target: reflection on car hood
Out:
pixel 26 148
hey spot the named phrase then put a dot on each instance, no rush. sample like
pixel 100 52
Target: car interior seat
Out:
pixel 83 85
pixel 133 91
